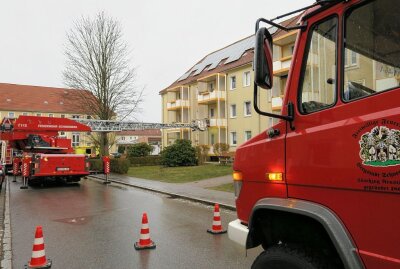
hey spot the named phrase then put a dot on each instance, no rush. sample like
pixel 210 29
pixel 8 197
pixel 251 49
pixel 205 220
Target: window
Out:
pixel 123 138
pixel 272 121
pixel 50 115
pixel 233 82
pixel 88 117
pixel 247 135
pixel 62 116
pixel 25 114
pixel 75 139
pixel 62 133
pixel 233 111
pixel 247 108
pixel 11 114
pixel 319 71
pixel 39 114
pixel 212 139
pixel 371 50
pixel 211 112
pixel 75 116
pixel 233 138
pixel 211 86
pixel 246 79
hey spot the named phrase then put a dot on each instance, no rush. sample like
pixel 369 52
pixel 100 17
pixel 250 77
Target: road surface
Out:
pixel 90 225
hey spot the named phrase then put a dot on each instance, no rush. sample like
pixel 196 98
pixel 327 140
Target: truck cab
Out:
pixel 320 189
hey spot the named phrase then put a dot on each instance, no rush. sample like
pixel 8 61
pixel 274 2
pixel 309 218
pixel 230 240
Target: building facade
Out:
pixel 220 88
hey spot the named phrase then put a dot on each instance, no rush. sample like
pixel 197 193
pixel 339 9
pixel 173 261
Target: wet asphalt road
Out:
pixel 89 225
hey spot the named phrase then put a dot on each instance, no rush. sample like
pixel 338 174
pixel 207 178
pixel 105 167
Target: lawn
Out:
pixel 224 187
pixel 179 174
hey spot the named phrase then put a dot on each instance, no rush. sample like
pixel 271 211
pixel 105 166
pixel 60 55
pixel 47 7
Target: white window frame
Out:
pixel 349 63
pixel 25 114
pixel 246 80
pixel 75 139
pixel 11 114
pixel 231 136
pixel 231 84
pixel 231 111
pixel 245 110
pixel 245 135
pixel 51 115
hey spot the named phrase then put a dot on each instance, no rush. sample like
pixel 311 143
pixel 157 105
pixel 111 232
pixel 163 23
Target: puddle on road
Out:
pixel 75 220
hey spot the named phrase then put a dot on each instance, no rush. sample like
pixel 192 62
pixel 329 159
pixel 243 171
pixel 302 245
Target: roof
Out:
pixel 14 97
pixel 146 132
pixel 234 55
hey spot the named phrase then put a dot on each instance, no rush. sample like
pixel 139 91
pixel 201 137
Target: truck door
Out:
pixel 344 152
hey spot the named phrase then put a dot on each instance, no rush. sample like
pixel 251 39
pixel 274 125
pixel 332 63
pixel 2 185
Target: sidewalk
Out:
pixel 194 191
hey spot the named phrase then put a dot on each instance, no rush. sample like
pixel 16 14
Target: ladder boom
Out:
pixel 116 126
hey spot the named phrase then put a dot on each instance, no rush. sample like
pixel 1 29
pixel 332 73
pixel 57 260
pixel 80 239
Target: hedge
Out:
pixel 96 165
pixel 145 161
pixel 120 166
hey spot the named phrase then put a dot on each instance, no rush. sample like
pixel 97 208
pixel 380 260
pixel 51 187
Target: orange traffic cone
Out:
pixel 216 225
pixel 144 241
pixel 38 259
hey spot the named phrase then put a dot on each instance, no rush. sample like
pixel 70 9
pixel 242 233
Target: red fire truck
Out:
pixel 51 156
pixel 34 141
pixel 321 188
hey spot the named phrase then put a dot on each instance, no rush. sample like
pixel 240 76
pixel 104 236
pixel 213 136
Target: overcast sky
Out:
pixel 166 37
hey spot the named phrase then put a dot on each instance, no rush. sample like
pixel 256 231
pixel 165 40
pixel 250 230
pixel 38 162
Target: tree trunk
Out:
pixel 104 144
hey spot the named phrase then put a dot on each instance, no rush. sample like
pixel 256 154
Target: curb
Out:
pixel 6 261
pixel 190 198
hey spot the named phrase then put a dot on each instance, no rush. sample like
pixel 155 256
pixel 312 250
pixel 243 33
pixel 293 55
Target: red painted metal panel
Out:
pixel 254 159
pixel 106 164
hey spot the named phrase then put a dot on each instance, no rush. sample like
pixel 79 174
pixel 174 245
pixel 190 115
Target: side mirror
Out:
pixel 263 75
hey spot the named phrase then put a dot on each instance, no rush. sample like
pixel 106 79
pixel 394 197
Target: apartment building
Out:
pixel 220 87
pixel 16 100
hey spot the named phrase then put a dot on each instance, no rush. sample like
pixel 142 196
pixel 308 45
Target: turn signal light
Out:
pixel 274 176
pixel 237 176
pixel 237 182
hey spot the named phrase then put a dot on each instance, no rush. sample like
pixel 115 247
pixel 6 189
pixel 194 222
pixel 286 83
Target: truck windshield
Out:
pixel 371 49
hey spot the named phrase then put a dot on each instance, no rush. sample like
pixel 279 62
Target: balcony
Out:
pixel 276 103
pixel 177 104
pixel 218 123
pixel 281 67
pixel 211 97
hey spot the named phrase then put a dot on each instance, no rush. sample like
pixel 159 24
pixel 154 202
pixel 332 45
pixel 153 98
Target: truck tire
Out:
pixel 284 257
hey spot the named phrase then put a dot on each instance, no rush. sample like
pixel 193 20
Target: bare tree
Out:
pixel 98 64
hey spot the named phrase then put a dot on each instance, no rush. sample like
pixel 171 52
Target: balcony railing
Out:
pixel 276 103
pixel 177 104
pixel 218 122
pixel 208 97
pixel 282 66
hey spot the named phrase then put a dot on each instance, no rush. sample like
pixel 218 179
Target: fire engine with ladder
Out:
pixel 30 145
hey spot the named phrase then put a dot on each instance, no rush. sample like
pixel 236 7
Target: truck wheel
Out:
pixel 284 257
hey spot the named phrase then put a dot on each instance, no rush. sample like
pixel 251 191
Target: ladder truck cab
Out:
pixel 51 156
pixel 321 188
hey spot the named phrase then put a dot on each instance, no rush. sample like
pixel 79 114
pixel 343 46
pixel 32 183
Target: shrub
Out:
pixel 96 164
pixel 120 166
pixel 140 150
pixel 202 153
pixel 121 149
pixel 181 153
pixel 145 161
pixel 221 149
